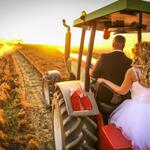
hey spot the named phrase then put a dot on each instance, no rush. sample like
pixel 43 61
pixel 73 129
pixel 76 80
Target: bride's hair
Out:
pixel 143 62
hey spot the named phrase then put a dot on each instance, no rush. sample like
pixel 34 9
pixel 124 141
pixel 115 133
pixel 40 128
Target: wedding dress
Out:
pixel 133 117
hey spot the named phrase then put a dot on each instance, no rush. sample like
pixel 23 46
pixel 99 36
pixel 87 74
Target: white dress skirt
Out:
pixel 133 117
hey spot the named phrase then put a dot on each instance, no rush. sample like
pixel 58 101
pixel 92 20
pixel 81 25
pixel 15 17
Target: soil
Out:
pixel 25 121
pixel 40 117
pixel 45 58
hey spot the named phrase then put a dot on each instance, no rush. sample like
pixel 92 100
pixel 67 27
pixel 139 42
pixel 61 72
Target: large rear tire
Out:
pixel 72 133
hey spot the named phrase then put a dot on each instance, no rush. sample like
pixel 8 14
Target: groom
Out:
pixel 111 66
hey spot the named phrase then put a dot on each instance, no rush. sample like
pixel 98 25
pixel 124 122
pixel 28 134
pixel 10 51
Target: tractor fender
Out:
pixel 66 88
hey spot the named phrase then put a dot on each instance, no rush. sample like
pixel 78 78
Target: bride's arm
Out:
pixel 126 85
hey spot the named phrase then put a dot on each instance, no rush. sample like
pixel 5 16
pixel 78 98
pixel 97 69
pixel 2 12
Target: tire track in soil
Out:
pixel 39 115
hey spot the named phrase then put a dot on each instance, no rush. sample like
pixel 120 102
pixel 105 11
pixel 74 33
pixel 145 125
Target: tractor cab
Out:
pixel 120 17
pixel 73 103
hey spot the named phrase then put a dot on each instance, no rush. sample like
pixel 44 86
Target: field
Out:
pixel 25 122
pixel 45 57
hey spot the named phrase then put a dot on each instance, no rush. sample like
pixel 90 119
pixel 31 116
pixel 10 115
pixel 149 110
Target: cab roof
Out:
pixel 122 15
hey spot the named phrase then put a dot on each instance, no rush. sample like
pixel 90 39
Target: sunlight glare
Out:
pixel 6 48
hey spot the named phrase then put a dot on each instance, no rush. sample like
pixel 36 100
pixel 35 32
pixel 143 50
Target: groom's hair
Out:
pixel 119 42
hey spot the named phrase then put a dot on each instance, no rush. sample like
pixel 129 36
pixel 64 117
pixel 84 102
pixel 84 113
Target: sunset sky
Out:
pixel 40 21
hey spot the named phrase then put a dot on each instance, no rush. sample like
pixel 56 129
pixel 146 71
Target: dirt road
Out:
pixel 40 117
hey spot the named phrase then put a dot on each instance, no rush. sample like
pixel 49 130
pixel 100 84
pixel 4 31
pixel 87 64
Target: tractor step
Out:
pixel 112 139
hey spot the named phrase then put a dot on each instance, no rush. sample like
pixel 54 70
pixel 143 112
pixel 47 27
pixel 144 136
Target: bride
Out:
pixel 133 115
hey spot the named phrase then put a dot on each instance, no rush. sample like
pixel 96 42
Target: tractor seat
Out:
pixel 114 102
pixel 106 108
pixel 111 138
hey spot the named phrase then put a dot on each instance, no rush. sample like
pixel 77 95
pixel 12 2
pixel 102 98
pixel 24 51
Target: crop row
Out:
pixel 16 131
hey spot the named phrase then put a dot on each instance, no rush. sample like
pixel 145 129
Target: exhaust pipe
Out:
pixel 67 40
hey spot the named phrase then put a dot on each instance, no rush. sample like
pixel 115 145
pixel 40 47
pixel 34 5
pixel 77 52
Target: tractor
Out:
pixel 77 121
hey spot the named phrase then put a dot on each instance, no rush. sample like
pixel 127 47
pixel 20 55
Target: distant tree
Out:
pixel 20 41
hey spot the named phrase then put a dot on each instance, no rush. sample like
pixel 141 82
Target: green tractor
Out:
pixel 77 122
